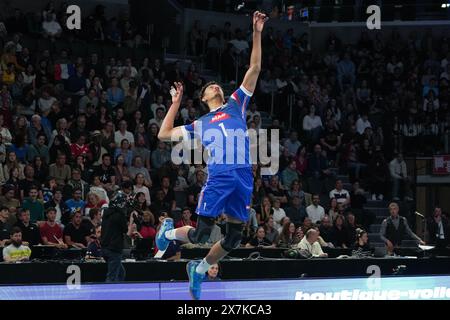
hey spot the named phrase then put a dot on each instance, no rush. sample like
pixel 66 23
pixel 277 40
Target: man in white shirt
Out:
pixel 252 112
pixel 158 104
pixel 51 27
pixel 340 194
pixel 122 133
pixel 278 213
pixel 362 123
pixel 315 211
pixel 311 244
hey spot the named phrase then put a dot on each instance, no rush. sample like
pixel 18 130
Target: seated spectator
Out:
pixel 80 147
pixel 350 224
pixel 259 240
pixel 264 211
pixel 93 202
pixel 76 204
pixel 340 233
pixel 278 213
pixel 186 219
pixel 289 174
pixel 76 84
pixel 36 128
pixel 272 234
pixel 212 273
pixel 138 167
pixel 97 188
pixel 93 250
pixel 395 229
pixel 438 229
pixel 106 173
pixel 340 194
pixel 16 251
pixel 400 178
pixel 51 28
pixel 311 245
pixel 60 170
pixel 317 164
pixel 288 236
pixel 34 205
pixel 115 94
pixel 361 247
pixel 296 211
pixel 315 211
pixel 326 229
pixel 301 160
pixel 8 199
pixel 62 211
pixel 5 227
pixel 146 228
pixel 75 233
pixel 160 156
pixel 296 190
pixel 30 231
pixel 125 151
pixel 139 186
pixel 333 209
pixel 94 219
pixel 274 191
pixel 51 232
pixel 362 123
pixel 292 144
pixel 312 125
pixel 121 170
pixel 40 149
pixel 331 140
pixel 29 181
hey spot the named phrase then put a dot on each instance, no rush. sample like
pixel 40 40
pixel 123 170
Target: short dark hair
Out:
pixel 93 212
pixel 50 210
pixel 15 230
pixel 4 208
pixel 202 91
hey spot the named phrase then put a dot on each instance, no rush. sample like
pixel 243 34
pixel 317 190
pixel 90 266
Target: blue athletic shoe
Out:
pixel 195 279
pixel 161 241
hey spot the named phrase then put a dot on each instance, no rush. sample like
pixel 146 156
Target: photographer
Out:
pixel 114 228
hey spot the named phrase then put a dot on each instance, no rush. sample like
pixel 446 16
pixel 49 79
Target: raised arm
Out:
pixel 251 77
pixel 167 132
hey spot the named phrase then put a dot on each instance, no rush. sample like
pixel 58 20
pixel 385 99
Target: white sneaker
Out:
pixel 380 197
pixel 374 197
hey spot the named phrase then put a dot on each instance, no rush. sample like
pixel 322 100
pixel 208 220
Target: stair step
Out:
pixel 374 237
pixel 375 228
pixel 376 204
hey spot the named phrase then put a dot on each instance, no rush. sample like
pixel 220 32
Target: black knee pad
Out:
pixel 233 237
pixel 203 230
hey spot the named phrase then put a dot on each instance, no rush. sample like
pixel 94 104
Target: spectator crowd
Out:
pixel 74 129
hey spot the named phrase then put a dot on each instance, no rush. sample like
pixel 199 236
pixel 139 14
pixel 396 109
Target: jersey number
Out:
pixel 223 129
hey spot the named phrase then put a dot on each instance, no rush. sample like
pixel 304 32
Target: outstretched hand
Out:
pixel 177 93
pixel 259 19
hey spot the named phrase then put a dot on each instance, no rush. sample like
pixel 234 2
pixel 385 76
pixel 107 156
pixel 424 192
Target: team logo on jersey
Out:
pixel 220 117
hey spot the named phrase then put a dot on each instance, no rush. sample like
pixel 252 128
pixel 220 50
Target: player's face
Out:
pixel 214 91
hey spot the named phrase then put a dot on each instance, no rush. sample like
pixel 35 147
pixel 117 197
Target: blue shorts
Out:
pixel 229 192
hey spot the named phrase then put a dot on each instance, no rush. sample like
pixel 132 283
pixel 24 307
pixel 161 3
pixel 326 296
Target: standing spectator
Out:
pixel 395 229
pixel 315 211
pixel 400 179
pixel 288 237
pixel 326 229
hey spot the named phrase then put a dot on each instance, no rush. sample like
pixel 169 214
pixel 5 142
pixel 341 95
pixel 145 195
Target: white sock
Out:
pixel 170 234
pixel 203 267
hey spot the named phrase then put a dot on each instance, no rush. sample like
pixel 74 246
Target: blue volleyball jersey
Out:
pixel 223 132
